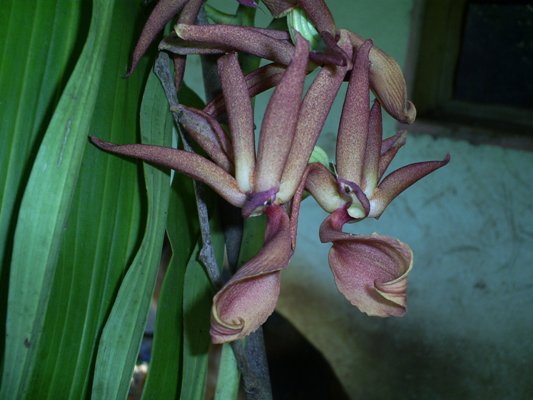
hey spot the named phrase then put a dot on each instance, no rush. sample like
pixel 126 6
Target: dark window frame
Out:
pixel 435 45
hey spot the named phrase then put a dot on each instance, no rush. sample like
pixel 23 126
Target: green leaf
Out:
pixel 165 364
pixel 45 205
pixel 320 156
pixel 102 232
pixel 197 301
pixel 228 375
pixel 39 41
pixel 253 238
pixel 197 294
pixel 122 335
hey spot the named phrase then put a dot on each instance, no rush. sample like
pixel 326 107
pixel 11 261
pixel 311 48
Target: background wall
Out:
pixel 467 333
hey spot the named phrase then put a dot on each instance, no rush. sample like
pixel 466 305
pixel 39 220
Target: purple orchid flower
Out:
pixel 265 184
pixel 371 271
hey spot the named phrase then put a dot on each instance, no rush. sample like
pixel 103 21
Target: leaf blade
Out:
pixel 54 171
pixel 123 331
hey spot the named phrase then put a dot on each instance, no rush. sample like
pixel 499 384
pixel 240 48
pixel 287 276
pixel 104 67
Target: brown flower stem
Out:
pixel 249 352
pixel 252 362
pixel 207 254
pixel 231 216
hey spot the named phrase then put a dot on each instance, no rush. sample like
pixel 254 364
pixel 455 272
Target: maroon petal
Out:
pixel 241 119
pixel 179 69
pixel 279 121
pixel 399 180
pixel 370 271
pixel 272 33
pixel 180 47
pixel 187 16
pixel 184 162
pixel 257 81
pixel 388 83
pixel 218 133
pixel 321 184
pixel 163 11
pixel 207 132
pixel 313 113
pixel 248 299
pixel 237 38
pixel 372 150
pixel 318 12
pixel 279 8
pixel 353 127
pixel 389 148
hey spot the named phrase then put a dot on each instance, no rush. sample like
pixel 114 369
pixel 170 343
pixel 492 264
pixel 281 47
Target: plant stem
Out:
pixel 251 359
pixel 207 255
pixel 249 352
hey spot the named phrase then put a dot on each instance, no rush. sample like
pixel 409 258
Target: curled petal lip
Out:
pixel 250 296
pixel 370 270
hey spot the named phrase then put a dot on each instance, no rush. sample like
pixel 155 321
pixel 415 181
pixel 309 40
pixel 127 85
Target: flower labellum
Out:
pixel 248 299
pixel 369 270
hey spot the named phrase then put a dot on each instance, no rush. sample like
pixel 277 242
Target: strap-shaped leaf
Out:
pixel 46 203
pixel 197 299
pixel 122 334
pixel 182 229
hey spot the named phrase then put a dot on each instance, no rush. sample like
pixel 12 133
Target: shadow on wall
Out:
pixel 467 333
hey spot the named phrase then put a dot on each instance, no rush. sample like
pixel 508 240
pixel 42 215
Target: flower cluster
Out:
pixel 371 271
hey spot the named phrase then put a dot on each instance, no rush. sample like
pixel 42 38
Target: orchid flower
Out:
pixel 371 271
pixel 386 78
pixel 288 134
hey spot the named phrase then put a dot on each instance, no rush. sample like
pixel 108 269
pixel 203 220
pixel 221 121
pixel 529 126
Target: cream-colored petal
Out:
pixel 388 84
pixel 241 119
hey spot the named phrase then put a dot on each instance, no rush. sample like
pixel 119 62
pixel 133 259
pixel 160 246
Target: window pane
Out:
pixel 496 60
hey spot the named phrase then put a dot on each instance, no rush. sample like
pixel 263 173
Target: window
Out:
pixel 474 67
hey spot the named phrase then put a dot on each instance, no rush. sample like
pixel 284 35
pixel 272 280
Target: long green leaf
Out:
pixel 165 364
pixel 38 42
pixel 197 300
pixel 123 331
pixel 228 375
pixel 103 230
pixel 42 218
